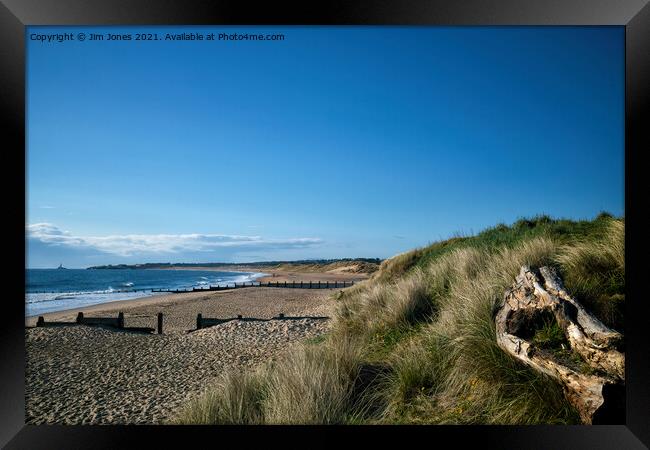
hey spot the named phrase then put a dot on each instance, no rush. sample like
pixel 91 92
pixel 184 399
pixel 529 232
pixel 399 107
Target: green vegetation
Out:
pixel 416 342
pixel 550 335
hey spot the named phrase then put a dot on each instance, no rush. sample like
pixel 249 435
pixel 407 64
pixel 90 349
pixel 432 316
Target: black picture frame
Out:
pixel 634 15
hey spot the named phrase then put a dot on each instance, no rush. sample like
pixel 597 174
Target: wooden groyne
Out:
pixel 114 322
pixel 269 284
pixel 204 322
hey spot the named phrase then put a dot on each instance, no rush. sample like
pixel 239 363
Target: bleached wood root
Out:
pixel 534 293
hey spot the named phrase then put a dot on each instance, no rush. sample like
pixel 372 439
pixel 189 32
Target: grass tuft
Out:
pixel 236 399
pixel 314 384
pixel 595 273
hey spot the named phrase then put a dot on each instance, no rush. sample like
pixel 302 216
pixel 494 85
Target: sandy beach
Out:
pixel 340 274
pixel 94 375
pixel 281 276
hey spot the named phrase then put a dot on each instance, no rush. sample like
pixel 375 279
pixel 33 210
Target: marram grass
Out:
pixel 416 343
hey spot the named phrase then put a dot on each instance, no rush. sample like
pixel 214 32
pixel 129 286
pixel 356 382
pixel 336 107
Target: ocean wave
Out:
pixel 227 280
pixel 37 297
pixel 250 277
pixel 41 303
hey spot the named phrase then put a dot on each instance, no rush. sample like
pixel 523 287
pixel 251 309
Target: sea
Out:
pixel 50 290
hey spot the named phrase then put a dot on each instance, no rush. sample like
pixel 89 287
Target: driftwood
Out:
pixel 598 392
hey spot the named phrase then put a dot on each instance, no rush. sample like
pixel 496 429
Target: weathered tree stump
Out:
pixel 596 389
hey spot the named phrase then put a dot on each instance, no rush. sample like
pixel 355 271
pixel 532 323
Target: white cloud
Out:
pixel 138 244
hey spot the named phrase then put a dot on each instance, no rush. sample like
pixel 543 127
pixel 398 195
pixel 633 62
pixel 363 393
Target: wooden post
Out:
pixel 285 284
pixel 198 321
pixel 40 322
pixel 328 285
pixel 160 321
pixel 336 284
pixel 280 316
pixel 239 316
pixel 310 285
pixel 80 317
pixel 318 284
pixel 120 320
pixel 301 284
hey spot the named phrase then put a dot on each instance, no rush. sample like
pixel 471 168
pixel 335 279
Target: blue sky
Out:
pixel 335 142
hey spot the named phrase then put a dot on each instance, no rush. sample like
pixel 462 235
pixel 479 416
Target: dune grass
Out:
pixel 236 399
pixel 314 384
pixel 595 273
pixel 416 343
